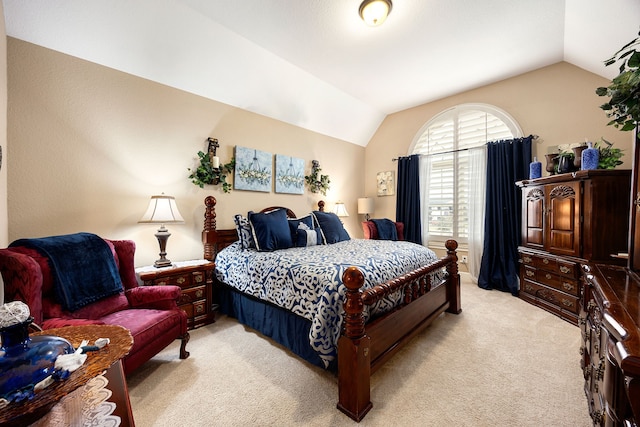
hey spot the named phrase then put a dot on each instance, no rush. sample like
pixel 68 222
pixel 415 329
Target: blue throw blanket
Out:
pixel 386 229
pixel 82 266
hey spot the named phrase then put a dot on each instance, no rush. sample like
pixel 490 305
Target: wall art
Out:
pixel 289 174
pixel 253 170
pixel 386 183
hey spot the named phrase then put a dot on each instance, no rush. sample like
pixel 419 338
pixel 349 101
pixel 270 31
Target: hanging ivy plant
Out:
pixel 205 173
pixel 317 182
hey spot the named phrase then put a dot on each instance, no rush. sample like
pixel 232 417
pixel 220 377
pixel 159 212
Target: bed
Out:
pixel 354 307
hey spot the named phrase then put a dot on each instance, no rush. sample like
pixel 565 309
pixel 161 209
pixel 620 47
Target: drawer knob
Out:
pixel 567 286
pixel 564 269
pixel 199 293
pixel 181 280
pixel 545 261
pixel 198 277
pixel 530 273
pixel 199 309
pixel 548 276
pixel 162 283
pixel 527 259
pixel 567 303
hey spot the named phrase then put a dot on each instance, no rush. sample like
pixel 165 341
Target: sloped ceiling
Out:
pixel 314 63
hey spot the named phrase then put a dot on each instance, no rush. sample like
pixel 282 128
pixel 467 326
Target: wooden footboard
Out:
pixel 362 350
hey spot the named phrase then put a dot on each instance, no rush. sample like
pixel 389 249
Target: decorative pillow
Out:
pixel 332 229
pixel 243 228
pixel 270 230
pixel 294 223
pixel 306 236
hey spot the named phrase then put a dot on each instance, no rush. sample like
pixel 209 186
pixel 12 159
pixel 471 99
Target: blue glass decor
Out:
pixel 590 158
pixel 25 361
pixel 535 169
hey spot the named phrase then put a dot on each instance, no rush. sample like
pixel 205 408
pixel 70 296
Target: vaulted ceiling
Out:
pixel 314 63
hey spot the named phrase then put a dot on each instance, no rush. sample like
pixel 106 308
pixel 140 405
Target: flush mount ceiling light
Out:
pixel 375 12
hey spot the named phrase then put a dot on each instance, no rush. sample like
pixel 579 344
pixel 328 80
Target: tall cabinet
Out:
pixel 569 219
pixel 609 320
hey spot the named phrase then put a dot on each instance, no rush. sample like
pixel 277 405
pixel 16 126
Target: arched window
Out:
pixel 449 143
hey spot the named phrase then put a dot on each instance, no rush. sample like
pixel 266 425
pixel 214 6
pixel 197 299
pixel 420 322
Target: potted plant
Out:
pixel 623 106
pixel 609 156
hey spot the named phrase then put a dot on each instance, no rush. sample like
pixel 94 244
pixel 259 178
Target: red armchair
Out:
pixel 150 313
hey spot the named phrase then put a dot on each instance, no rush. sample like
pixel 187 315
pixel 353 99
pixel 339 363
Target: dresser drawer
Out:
pixel 183 280
pixel 557 298
pixel 193 294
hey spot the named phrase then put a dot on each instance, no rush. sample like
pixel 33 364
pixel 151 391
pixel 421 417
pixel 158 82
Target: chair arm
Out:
pixel 158 297
pixel 22 281
pixel 61 322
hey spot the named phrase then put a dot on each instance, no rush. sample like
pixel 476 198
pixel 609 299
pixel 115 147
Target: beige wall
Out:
pixel 558 103
pixel 89 145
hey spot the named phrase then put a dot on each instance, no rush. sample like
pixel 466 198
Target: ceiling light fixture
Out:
pixel 375 12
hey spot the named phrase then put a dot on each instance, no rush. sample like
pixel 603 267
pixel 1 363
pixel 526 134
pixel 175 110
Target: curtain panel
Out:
pixel 408 197
pixel 507 162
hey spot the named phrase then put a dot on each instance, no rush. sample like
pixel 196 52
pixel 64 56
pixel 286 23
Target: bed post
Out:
pixel 453 284
pixel 354 364
pixel 209 228
pixel 321 205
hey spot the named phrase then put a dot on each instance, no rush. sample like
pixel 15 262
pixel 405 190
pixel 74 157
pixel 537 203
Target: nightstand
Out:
pixel 196 280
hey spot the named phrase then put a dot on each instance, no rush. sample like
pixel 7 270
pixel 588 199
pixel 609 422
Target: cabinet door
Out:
pixel 562 234
pixel 533 221
pixel 634 243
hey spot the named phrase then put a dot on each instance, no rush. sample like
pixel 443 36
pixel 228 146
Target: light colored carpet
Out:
pixel 501 362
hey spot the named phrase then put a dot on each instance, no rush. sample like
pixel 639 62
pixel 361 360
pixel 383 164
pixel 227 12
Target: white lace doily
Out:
pixel 85 407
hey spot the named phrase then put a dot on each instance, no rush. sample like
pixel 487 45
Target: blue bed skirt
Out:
pixel 282 326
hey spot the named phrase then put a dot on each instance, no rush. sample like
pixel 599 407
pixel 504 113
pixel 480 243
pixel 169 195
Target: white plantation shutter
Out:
pixel 447 139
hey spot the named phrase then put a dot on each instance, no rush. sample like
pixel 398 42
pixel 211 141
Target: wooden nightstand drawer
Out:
pixel 196 281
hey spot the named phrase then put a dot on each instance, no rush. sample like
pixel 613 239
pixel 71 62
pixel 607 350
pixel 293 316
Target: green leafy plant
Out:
pixel 317 182
pixel 623 107
pixel 205 173
pixel 609 156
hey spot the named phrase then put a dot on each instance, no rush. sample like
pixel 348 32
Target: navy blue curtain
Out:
pixel 408 197
pixel 507 162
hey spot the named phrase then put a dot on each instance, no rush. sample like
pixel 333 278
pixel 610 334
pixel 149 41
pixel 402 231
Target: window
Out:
pixel 448 140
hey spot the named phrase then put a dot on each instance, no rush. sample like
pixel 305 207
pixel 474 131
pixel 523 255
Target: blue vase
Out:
pixel 26 361
pixel 590 158
pixel 535 169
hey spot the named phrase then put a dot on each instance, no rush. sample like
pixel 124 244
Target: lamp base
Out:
pixel 162 262
pixel 162 235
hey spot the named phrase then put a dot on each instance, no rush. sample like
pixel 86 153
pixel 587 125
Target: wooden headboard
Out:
pixel 215 240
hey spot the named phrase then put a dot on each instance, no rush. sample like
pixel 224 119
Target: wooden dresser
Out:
pixel 610 325
pixel 569 219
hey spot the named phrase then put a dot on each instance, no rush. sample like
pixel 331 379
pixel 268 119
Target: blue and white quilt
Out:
pixel 307 281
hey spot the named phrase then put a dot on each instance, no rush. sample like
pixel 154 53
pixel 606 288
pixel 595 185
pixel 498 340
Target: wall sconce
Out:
pixel 365 207
pixel 213 158
pixel 340 210
pixel 162 210
pixel 375 12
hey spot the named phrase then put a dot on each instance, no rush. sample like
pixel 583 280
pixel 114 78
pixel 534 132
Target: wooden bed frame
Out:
pixel 362 349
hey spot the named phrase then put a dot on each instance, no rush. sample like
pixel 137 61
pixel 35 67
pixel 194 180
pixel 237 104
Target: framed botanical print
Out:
pixel 289 175
pixel 386 183
pixel 253 170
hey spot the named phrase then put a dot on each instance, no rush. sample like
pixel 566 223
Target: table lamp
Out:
pixel 365 207
pixel 340 210
pixel 162 210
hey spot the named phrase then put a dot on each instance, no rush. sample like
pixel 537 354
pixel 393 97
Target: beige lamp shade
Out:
pixel 340 210
pixel 365 205
pixel 162 210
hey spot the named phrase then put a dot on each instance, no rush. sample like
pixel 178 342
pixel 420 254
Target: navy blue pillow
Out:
pixel 270 230
pixel 243 228
pixel 294 223
pixel 307 237
pixel 331 226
